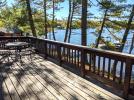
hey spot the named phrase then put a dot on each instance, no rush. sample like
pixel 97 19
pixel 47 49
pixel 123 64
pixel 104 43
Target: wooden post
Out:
pixel 45 48
pixel 83 63
pixel 59 54
pixel 36 43
pixel 127 78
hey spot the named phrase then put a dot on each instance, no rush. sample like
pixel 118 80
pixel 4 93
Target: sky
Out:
pixel 63 13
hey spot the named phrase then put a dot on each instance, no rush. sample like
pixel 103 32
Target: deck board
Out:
pixel 44 80
pixel 12 88
pixel 37 89
pixel 60 93
pixel 66 89
pixel 36 77
pixel 28 85
pixel 70 87
pixel 80 83
pixel 4 93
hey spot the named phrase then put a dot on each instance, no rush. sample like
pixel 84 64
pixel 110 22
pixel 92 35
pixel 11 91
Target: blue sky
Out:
pixel 10 2
pixel 63 13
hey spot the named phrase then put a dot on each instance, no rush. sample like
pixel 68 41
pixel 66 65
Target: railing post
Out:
pixel 59 54
pixel 127 78
pixel 45 48
pixel 83 59
pixel 36 44
pixel 30 40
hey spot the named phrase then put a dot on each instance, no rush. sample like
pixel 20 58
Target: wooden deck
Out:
pixel 41 79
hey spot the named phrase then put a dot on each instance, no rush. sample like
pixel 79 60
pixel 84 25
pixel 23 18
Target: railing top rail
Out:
pixel 96 50
pixel 79 47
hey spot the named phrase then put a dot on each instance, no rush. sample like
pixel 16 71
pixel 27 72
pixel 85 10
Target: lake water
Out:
pixel 91 37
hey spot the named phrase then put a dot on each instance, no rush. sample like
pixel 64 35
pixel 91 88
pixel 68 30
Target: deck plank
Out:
pixel 47 85
pixel 85 85
pixel 19 88
pixel 29 86
pixel 24 86
pixel 11 88
pixel 37 88
pixel 42 79
pixel 4 93
pixel 68 92
pixel 84 92
pixel 67 86
pixel 91 89
pixel 82 83
pixel 28 89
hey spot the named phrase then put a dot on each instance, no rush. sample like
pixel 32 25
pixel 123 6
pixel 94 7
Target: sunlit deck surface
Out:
pixel 45 80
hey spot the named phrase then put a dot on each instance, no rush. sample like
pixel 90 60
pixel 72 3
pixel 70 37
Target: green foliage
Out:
pixel 17 16
pixel 110 46
pixel 106 4
pixel 93 24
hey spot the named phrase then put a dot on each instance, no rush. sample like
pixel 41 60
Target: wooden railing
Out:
pixel 112 68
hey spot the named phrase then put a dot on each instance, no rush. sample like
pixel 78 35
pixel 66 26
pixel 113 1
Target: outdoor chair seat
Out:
pixel 29 51
pixel 4 54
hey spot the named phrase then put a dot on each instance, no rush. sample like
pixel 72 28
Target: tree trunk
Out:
pixel 132 45
pixel 68 22
pixel 127 30
pixel 102 26
pixel 53 24
pixel 30 18
pixel 45 18
pixel 124 39
pixel 113 35
pixel 71 18
pixel 84 23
